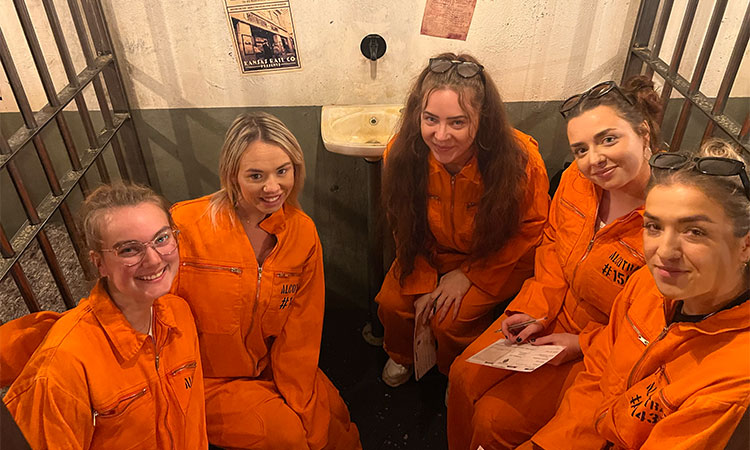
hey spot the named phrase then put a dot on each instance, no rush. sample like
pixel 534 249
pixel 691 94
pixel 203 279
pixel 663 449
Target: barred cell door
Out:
pixel 682 87
pixel 58 60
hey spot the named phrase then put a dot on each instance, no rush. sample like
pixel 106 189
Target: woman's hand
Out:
pixel 569 341
pixel 521 335
pixel 450 291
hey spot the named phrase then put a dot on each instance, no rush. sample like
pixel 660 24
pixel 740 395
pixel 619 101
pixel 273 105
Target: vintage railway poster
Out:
pixel 263 35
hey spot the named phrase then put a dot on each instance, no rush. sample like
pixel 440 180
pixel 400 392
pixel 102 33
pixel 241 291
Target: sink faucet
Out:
pixel 373 49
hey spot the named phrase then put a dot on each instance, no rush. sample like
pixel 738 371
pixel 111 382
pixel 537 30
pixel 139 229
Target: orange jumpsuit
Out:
pixel 578 273
pixel 451 206
pixel 651 383
pixel 260 329
pixel 19 339
pixel 95 383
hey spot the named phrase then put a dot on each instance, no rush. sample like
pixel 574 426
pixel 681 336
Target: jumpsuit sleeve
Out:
pixel 491 273
pixel 51 417
pixel 573 426
pixel 700 423
pixel 294 354
pixel 543 295
pixel 19 339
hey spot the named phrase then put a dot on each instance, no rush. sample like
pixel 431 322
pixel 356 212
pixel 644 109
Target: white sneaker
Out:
pixel 371 338
pixel 394 374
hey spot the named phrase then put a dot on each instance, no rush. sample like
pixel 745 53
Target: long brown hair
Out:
pixel 501 160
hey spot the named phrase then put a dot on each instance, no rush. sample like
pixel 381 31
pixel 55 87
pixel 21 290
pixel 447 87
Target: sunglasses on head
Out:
pixel 465 69
pixel 600 90
pixel 708 165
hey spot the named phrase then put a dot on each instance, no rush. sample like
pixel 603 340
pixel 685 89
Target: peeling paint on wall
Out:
pixel 178 54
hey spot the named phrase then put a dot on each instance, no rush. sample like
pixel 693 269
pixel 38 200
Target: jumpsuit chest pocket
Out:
pixel 434 213
pixel 129 420
pixel 214 292
pixel 282 299
pixel 640 408
pixel 180 381
pixel 465 222
pixel 570 227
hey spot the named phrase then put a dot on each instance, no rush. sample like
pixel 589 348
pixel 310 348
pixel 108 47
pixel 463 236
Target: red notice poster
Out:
pixel 448 18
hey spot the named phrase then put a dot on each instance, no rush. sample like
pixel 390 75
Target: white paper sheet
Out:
pixel 425 347
pixel 522 358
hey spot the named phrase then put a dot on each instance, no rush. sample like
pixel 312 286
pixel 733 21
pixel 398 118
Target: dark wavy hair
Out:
pixel 501 160
pixel 646 107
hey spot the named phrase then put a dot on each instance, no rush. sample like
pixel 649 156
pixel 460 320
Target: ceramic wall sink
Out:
pixel 359 130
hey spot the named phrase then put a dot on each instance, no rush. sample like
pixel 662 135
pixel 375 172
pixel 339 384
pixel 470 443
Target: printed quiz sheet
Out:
pixel 522 358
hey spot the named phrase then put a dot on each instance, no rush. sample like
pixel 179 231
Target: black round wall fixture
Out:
pixel 373 46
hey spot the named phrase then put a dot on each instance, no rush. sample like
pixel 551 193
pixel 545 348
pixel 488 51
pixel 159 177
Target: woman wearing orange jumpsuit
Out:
pixel 252 272
pixel 592 244
pixel 19 339
pixel 122 369
pixel 466 197
pixel 671 370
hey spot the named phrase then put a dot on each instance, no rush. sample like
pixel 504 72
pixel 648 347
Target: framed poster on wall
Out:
pixel 263 35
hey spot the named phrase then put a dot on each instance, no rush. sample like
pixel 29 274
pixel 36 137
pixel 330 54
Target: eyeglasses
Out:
pixel 466 69
pixel 133 252
pixel 600 90
pixel 708 165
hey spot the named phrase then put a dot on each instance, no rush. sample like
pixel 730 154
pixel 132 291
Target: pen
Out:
pixel 521 325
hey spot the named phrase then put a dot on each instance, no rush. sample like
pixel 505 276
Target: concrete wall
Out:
pixel 185 87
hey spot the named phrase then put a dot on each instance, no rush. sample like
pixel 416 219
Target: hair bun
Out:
pixel 641 88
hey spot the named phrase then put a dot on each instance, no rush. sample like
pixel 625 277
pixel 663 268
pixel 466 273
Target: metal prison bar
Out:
pixel 96 47
pixel 641 54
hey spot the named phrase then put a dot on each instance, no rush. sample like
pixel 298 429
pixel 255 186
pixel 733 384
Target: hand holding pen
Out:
pixel 519 327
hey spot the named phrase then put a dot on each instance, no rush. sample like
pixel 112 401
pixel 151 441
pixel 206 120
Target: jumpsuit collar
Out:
pixel 469 171
pixel 276 222
pixel 596 193
pixel 124 338
pixel 730 318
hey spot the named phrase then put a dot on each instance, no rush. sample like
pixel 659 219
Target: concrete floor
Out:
pixel 412 416
pixel 40 279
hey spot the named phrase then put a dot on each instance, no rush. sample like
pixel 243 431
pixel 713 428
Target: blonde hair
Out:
pixel 246 129
pixel 110 196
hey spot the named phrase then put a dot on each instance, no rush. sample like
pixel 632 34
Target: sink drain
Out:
pixel 373 120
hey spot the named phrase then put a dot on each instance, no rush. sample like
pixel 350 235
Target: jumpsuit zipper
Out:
pixel 453 199
pixel 236 270
pixel 591 242
pixel 190 365
pixel 257 298
pixel 633 251
pixel 130 398
pixel 645 352
pixel 643 340
pixel 161 386
pixel 596 234
pixel 573 207
pixel 257 287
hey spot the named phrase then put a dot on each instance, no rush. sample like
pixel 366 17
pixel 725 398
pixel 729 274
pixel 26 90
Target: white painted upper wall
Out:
pixel 179 54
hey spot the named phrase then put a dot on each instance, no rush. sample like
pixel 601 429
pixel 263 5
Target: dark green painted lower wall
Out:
pixel 181 148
